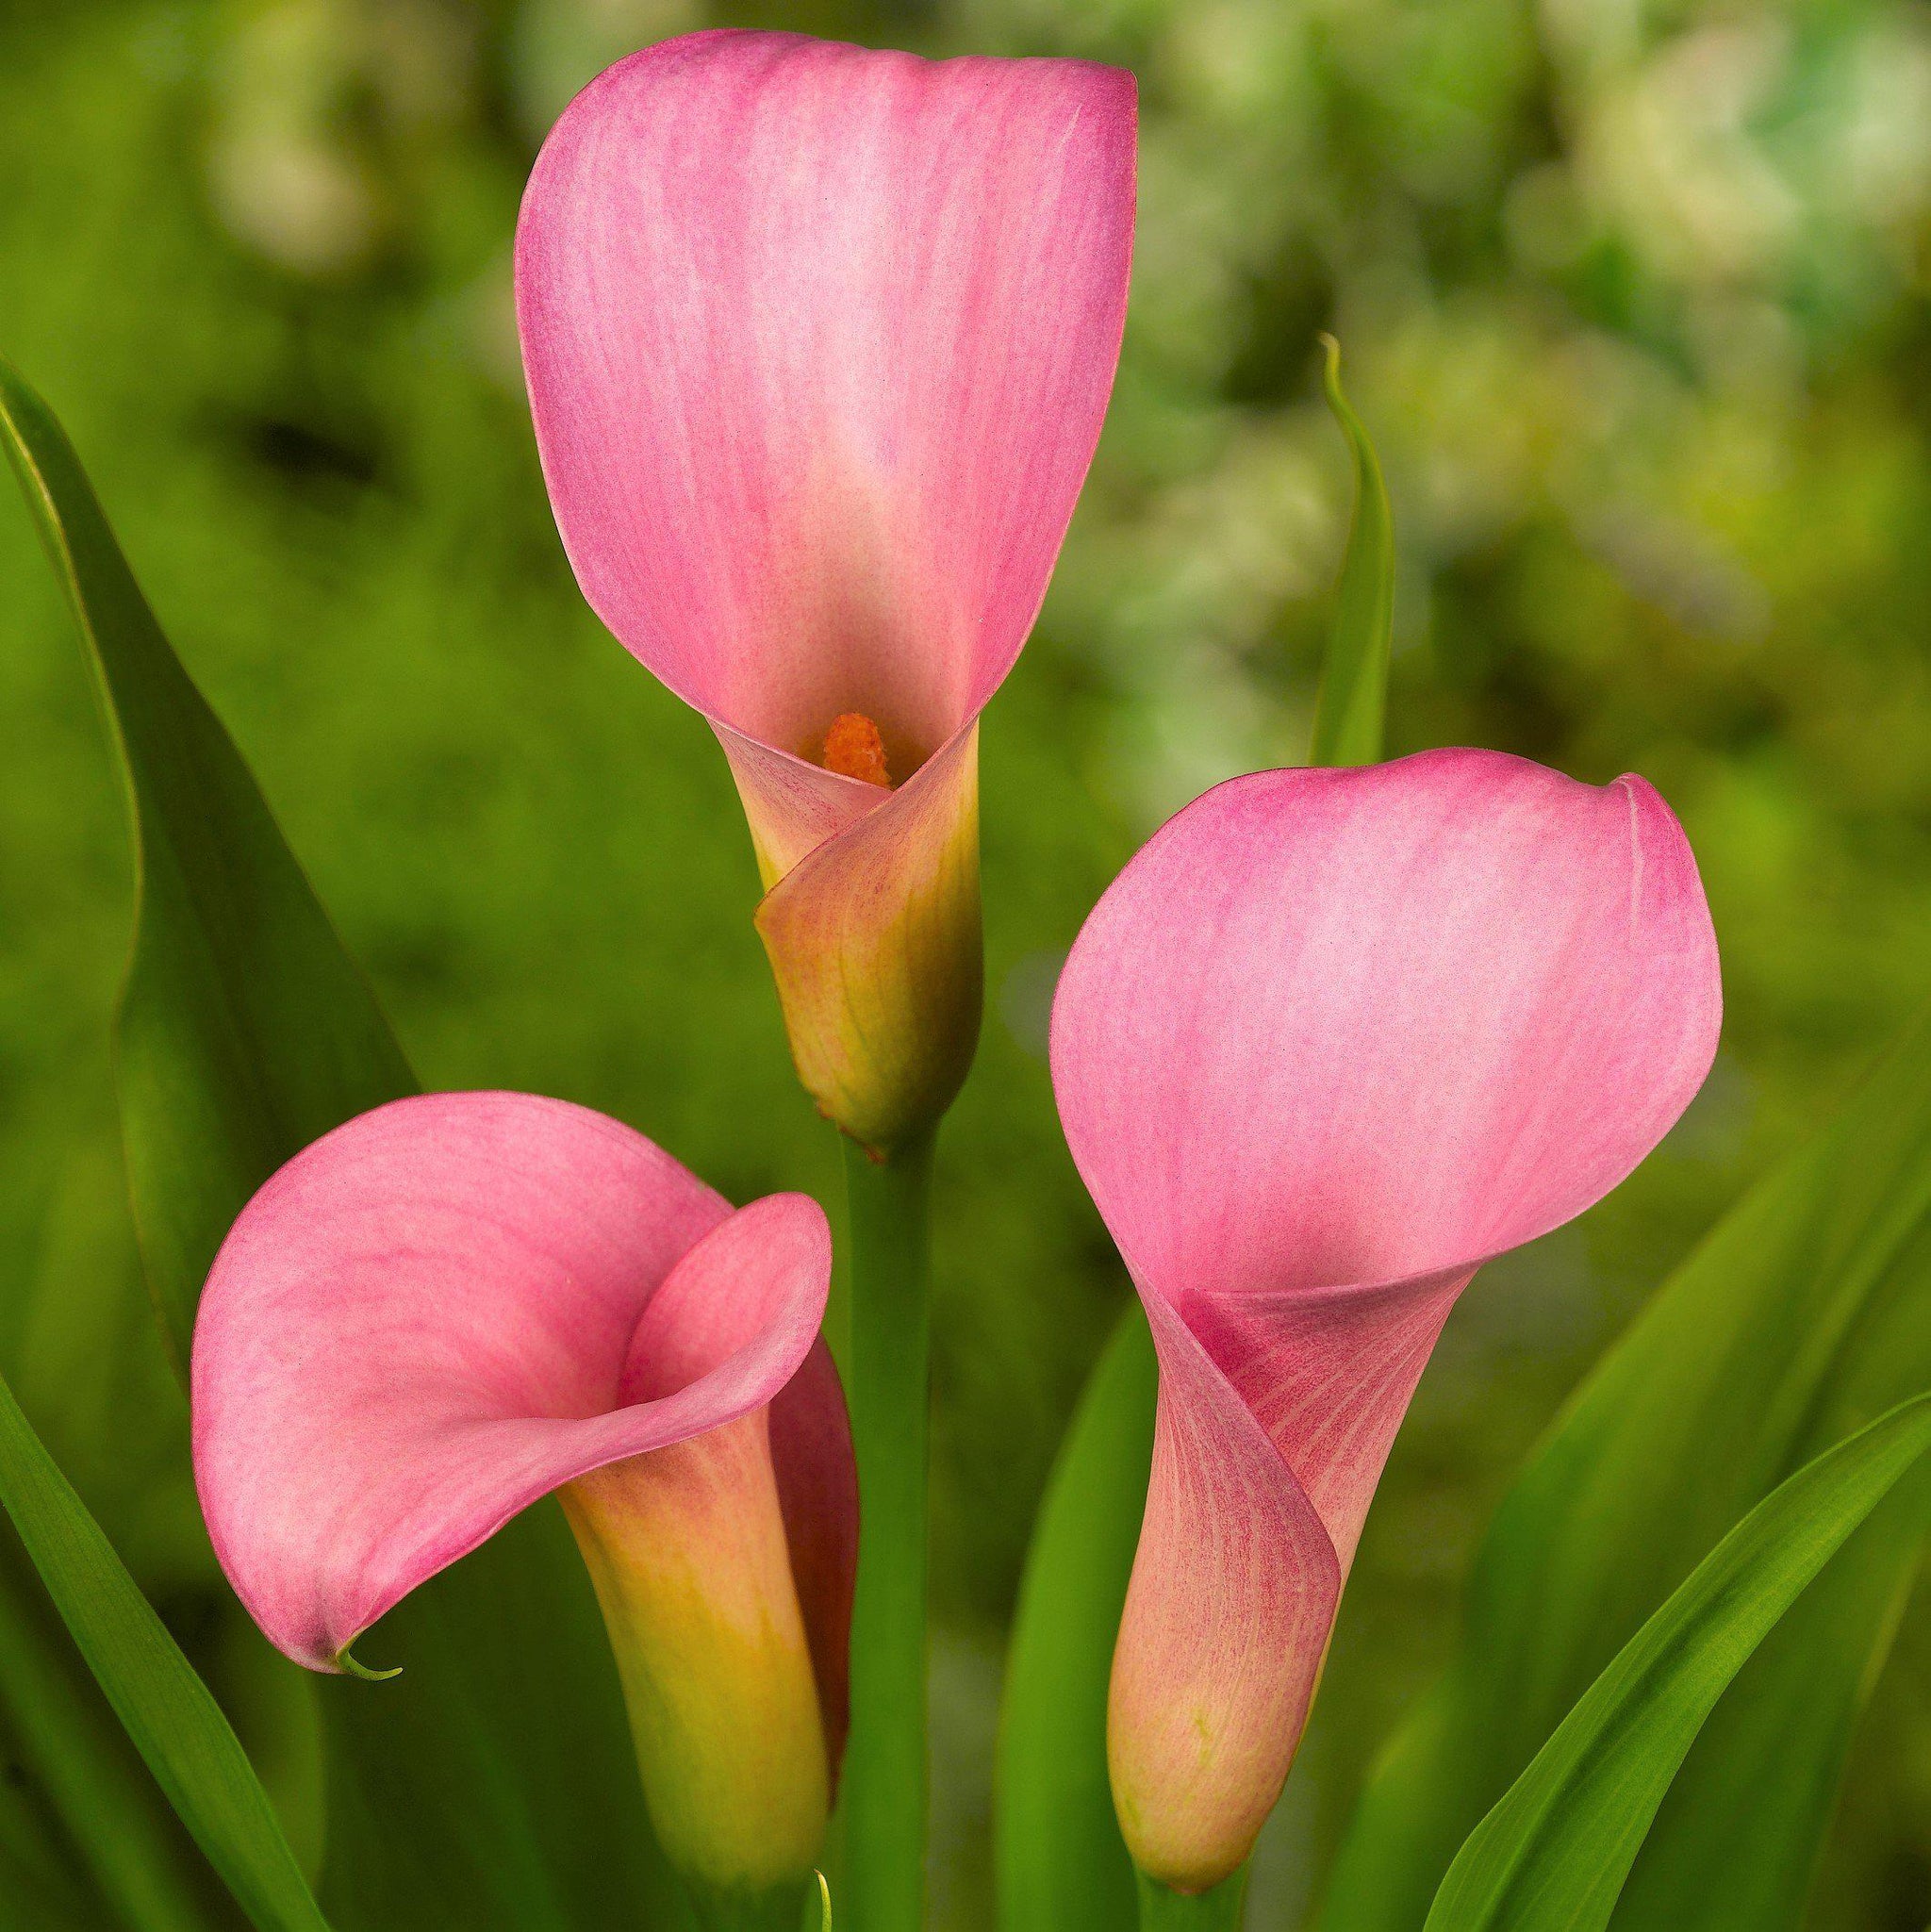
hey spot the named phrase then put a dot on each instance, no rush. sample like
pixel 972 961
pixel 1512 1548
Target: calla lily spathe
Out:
pixel 456 1304
pixel 1332 1040
pixel 818 342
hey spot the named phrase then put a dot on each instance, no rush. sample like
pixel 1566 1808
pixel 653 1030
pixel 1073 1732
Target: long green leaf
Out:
pixel 1795 1707
pixel 44 1882
pixel 246 1031
pixel 97 1796
pixel 1350 712
pixel 174 1723
pixel 1553 1855
pixel 1062 1864
pixel 493 1783
pixel 1801 1316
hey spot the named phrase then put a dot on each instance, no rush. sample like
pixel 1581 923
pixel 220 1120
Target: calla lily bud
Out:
pixel 1334 1039
pixel 819 341
pixel 457 1304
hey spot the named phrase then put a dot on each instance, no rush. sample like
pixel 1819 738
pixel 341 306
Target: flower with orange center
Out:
pixel 819 341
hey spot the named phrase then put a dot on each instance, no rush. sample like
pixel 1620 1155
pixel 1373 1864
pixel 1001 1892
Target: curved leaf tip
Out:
pixel 352 1666
pixel 1349 715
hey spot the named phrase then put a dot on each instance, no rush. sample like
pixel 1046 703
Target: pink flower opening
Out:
pixel 1332 1040
pixel 458 1303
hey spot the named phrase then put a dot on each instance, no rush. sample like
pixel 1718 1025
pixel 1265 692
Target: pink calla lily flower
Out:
pixel 819 341
pixel 1334 1039
pixel 457 1304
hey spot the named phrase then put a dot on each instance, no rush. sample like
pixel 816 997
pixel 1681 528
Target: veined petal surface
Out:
pixel 451 1306
pixel 818 340
pixel 1330 1041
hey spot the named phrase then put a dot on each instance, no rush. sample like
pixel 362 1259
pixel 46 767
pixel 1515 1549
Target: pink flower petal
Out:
pixel 424 1322
pixel 1329 1042
pixel 1226 1622
pixel 819 341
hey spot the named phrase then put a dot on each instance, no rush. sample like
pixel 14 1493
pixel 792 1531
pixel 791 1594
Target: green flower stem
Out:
pixel 884 1783
pixel 1219 1911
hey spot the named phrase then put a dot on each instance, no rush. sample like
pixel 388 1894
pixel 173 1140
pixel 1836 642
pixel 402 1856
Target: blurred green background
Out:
pixel 1637 301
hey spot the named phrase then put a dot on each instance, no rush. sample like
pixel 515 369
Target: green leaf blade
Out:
pixel 101 1810
pixel 1799 1318
pixel 246 1031
pixel 1795 1704
pixel 1063 1866
pixel 1555 1851
pixel 1350 713
pixel 166 1709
